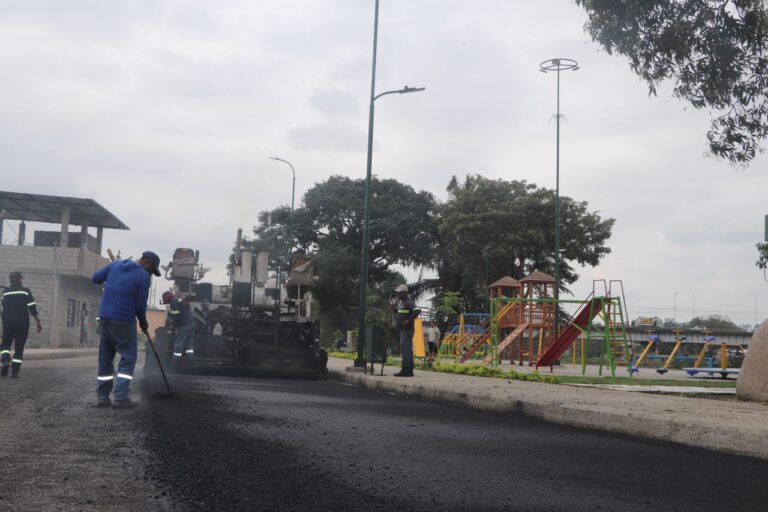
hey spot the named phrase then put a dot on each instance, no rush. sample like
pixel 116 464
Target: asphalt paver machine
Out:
pixel 260 322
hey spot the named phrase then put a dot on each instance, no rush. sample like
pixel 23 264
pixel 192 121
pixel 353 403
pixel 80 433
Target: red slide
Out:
pixel 587 312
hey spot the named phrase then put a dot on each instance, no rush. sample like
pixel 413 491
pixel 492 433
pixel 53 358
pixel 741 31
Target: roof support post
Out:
pixel 64 240
pixel 84 234
pixel 99 239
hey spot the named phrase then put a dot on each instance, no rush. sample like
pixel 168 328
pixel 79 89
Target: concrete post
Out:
pixel 64 240
pixel 99 239
pixel 22 232
pixel 84 234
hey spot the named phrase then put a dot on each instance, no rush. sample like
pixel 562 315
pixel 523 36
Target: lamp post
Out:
pixel 361 358
pixel 557 65
pixel 674 308
pixel 293 196
pixel 693 294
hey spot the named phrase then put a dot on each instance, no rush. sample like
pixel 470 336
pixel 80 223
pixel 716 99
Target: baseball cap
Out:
pixel 401 288
pixel 154 258
pixel 16 275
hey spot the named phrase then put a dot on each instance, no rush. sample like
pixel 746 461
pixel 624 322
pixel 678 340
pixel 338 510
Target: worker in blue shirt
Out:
pixel 18 304
pixel 182 323
pixel 126 288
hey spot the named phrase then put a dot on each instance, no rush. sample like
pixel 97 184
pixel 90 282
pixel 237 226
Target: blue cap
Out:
pixel 154 258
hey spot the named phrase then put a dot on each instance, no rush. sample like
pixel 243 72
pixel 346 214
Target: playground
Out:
pixel 519 332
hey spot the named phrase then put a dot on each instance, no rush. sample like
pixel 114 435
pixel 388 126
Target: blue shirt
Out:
pixel 126 290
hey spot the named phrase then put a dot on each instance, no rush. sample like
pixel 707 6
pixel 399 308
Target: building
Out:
pixel 58 265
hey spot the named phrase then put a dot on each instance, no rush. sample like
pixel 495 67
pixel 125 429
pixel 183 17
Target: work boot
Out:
pixel 124 403
pixel 401 373
pixel 15 372
pixel 103 402
pixel 4 371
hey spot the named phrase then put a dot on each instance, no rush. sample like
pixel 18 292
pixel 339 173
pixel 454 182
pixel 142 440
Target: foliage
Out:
pixel 328 224
pixel 762 260
pixel 715 322
pixel 512 225
pixel 486 371
pixel 448 303
pixel 713 50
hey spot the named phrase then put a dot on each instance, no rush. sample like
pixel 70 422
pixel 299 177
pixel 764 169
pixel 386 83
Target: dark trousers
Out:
pixel 406 349
pixel 184 340
pixel 116 338
pixel 16 335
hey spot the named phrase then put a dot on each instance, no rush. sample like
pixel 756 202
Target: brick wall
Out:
pixel 74 268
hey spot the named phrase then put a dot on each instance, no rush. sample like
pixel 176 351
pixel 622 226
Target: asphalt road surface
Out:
pixel 236 443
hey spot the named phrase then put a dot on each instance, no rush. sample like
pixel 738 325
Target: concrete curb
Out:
pixel 40 355
pixel 751 440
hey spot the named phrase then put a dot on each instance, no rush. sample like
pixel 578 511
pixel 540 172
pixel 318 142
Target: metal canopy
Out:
pixel 40 208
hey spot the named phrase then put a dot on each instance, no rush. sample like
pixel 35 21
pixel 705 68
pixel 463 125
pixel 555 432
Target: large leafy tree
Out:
pixel 403 231
pixel 510 226
pixel 714 51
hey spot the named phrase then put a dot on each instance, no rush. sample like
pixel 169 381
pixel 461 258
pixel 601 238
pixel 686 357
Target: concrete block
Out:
pixel 753 379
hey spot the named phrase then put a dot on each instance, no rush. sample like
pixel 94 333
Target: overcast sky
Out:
pixel 166 111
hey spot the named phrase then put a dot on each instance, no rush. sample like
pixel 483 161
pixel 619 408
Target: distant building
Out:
pixel 57 265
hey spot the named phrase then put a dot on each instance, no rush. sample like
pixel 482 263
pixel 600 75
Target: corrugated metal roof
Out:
pixel 42 208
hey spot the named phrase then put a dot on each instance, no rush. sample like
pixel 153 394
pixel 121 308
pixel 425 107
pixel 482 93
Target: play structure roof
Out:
pixel 538 277
pixel 506 281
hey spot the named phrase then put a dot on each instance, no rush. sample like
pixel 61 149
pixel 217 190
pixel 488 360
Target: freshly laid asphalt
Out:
pixel 726 425
pixel 239 443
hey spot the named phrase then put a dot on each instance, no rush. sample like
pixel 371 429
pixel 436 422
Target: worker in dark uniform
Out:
pixel 18 304
pixel 182 323
pixel 126 288
pixel 406 313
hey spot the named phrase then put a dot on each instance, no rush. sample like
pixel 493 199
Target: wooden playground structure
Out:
pixel 521 325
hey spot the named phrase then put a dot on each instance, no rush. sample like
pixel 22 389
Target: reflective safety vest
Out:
pixel 18 303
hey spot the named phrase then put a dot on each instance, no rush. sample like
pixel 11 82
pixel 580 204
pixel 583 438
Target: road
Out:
pixel 235 443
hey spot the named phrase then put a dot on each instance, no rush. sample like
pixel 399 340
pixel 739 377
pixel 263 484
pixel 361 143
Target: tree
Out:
pixel 715 322
pixel 328 224
pixel 762 260
pixel 511 224
pixel 713 50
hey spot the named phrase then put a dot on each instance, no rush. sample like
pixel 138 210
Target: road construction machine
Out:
pixel 259 323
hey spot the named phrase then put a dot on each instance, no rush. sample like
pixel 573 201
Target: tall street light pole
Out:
pixel 293 197
pixel 361 357
pixel 557 65
pixel 674 308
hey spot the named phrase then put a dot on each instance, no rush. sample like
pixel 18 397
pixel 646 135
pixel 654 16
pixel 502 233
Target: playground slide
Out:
pixel 588 311
pixel 476 345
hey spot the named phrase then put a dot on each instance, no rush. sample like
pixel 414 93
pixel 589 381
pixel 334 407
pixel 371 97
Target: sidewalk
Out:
pixel 36 354
pixel 722 425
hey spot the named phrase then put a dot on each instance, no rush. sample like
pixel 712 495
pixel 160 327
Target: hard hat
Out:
pixel 167 297
pixel 402 289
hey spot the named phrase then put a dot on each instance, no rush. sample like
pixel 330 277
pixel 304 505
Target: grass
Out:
pixel 477 370
pixel 627 381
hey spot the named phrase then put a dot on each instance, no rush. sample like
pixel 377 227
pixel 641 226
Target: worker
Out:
pixel 126 288
pixel 406 313
pixel 18 304
pixel 182 323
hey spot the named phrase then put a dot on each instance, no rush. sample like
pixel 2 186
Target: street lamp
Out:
pixel 293 196
pixel 360 361
pixel 557 65
pixel 693 294
pixel 674 308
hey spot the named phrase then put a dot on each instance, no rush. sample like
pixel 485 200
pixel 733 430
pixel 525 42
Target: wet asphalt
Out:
pixel 233 443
